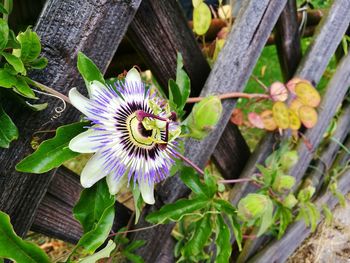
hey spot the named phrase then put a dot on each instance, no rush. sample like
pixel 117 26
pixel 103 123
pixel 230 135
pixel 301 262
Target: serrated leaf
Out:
pixel 98 235
pixel 30 46
pixel 39 63
pixel 14 248
pixel 174 93
pixel 92 203
pixel 223 242
pixel 8 130
pixel 4 33
pixel 210 183
pixel 53 152
pixel 285 217
pixel 89 70
pixel 175 211
pixel 199 238
pixel 201 19
pixel 103 253
pixel 313 214
pixel 15 62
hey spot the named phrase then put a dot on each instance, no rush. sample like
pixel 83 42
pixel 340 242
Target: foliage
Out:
pixel 202 219
pixel 14 248
pixel 52 152
pixel 18 55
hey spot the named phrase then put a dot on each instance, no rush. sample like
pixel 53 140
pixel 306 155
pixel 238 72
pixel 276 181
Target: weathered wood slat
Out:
pixel 330 32
pixel 279 250
pixel 329 35
pixel 288 40
pixel 330 152
pixel 230 73
pixel 65 27
pixel 54 216
pixel 158 31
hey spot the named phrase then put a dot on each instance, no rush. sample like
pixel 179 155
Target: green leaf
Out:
pixel 138 202
pixel 12 41
pixel 36 107
pixel 14 248
pixel 223 242
pixel 182 80
pixel 177 210
pixel 201 19
pixel 103 253
pixel 313 214
pixel 4 33
pixel 285 217
pixel 7 80
pixel 135 245
pixel 224 206
pixel 23 88
pixel 92 203
pixel 328 214
pixel 266 219
pixel 210 183
pixel 237 231
pixel 39 63
pixel 88 69
pixel 133 257
pixel 30 46
pixel 98 235
pixel 3 9
pixel 53 152
pixel 175 93
pixel 8 130
pixel 199 238
pixel 192 180
pixel 15 62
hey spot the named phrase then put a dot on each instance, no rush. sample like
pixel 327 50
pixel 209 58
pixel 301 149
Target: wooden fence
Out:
pixel 157 29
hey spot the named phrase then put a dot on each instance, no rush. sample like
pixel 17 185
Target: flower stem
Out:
pixel 190 163
pixel 50 90
pixel 233 181
pixel 232 95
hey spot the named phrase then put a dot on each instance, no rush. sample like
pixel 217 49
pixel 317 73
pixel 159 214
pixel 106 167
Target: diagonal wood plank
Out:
pixel 54 216
pixel 95 27
pixel 230 73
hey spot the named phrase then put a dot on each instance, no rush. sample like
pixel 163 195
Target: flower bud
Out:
pixel 283 183
pixel 288 160
pixel 252 206
pixel 305 194
pixel 204 116
pixel 290 201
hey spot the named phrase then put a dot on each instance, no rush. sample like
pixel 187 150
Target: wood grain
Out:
pixel 230 73
pixel 95 27
pixel 54 216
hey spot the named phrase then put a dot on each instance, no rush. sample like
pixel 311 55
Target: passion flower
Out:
pixel 132 135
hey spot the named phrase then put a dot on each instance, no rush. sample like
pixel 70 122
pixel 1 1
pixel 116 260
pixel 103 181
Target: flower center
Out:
pixel 139 135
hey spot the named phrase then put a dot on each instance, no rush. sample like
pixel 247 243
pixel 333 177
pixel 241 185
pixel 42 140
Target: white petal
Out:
pixel 79 101
pixel 85 142
pixel 133 76
pixel 147 192
pixel 93 171
pixel 95 88
pixel 114 185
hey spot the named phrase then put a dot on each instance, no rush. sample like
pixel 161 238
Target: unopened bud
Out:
pixel 305 194
pixel 288 160
pixel 290 201
pixel 283 183
pixel 204 116
pixel 252 206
